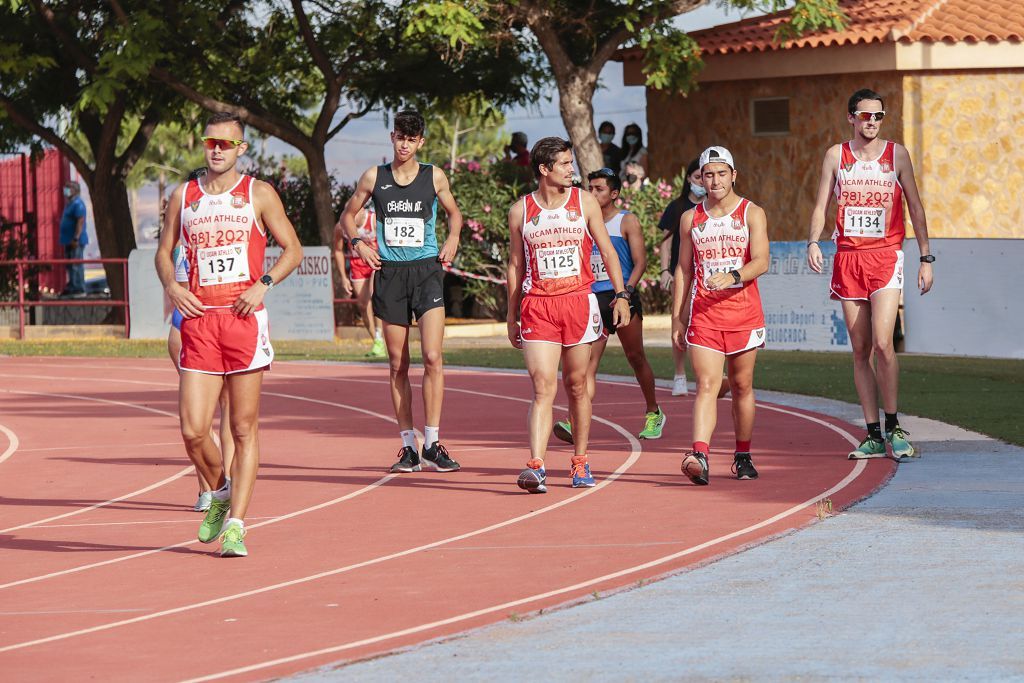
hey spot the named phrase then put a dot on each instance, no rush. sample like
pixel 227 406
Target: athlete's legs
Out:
pixel 858 323
pixel 396 337
pixel 542 365
pixel 431 340
pixel 197 401
pixel 679 355
pixel 596 353
pixel 632 339
pixel 575 362
pixel 741 382
pixel 363 290
pixel 885 303
pixel 227 441
pixel 708 366
pixel 244 392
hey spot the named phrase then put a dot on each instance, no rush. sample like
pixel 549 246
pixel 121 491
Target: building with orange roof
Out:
pixel 951 72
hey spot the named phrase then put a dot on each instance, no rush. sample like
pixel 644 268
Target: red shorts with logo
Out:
pixel 726 342
pixel 360 269
pixel 859 274
pixel 566 319
pixel 221 343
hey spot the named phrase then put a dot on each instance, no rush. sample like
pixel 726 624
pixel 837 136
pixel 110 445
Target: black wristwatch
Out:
pixel 630 289
pixel 353 242
pixel 927 258
pixel 624 294
pixel 267 280
pixel 736 277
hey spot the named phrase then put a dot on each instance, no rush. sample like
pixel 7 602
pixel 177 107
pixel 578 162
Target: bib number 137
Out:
pixel 223 265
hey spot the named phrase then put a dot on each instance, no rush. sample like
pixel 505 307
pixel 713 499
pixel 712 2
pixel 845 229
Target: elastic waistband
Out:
pixel 410 264
pixel 564 295
pixel 225 310
pixel 851 250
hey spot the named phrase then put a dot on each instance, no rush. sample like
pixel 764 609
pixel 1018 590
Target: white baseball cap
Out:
pixel 716 154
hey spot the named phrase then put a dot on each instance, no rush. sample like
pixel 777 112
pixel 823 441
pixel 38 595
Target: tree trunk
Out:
pixel 323 202
pixel 575 102
pixel 115 232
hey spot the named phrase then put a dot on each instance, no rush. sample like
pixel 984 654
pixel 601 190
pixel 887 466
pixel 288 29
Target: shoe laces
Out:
pixel 406 453
pixel 440 452
pixel 579 467
pixel 651 420
pixel 535 464
pixel 899 431
pixel 233 534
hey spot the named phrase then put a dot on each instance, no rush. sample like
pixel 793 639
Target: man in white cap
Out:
pixel 723 249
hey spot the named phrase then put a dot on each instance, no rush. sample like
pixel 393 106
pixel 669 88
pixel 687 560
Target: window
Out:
pixel 770 116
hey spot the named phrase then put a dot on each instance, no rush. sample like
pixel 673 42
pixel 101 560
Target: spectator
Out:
pixel 516 152
pixel 612 152
pixel 74 237
pixel 634 156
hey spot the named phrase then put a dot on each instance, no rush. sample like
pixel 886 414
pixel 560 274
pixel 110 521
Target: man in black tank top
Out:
pixel 407 282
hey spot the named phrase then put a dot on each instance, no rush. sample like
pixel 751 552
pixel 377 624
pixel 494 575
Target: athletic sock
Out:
pixel 682 377
pixel 234 520
pixel 224 492
pixel 430 436
pixel 701 447
pixel 408 438
pixel 875 430
pixel 742 446
pixel 377 334
pixel 891 422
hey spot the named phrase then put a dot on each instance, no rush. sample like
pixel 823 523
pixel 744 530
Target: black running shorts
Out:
pixel 604 304
pixel 404 290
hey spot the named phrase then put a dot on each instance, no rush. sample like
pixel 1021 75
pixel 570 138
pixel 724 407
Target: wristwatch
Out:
pixel 736 277
pixel 630 289
pixel 267 280
pixel 927 258
pixel 624 294
pixel 353 242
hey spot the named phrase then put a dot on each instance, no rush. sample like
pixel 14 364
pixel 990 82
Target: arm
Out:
pixel 634 235
pixel 825 186
pixel 347 220
pixel 182 299
pixel 598 231
pixel 683 281
pixel 447 200
pixel 270 213
pixel 515 272
pixel 757 266
pixel 338 249
pixel 79 227
pixel 905 172
pixel 669 227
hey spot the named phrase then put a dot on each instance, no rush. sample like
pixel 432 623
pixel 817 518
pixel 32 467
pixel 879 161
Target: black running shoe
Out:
pixel 695 466
pixel 437 457
pixel 742 467
pixel 408 460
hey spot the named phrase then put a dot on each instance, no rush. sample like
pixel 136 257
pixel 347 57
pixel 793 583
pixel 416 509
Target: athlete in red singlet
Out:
pixel 871 177
pixel 723 249
pixel 361 282
pixel 552 314
pixel 222 224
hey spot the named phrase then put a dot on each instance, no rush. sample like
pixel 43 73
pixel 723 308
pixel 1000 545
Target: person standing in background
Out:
pixel 74 237
pixel 612 153
pixel 634 156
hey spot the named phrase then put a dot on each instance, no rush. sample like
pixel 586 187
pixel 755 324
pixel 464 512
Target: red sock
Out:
pixel 742 446
pixel 701 447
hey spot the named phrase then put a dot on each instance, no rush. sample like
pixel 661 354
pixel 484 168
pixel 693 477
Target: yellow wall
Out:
pixel 963 132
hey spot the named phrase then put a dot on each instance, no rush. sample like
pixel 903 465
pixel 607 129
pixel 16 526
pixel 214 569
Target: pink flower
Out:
pixel 475 226
pixel 473 166
pixel 487 208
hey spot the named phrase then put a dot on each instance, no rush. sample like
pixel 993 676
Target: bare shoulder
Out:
pixel 368 179
pixel 263 192
pixel 834 152
pixel 630 221
pixel 756 213
pixel 440 179
pixel 588 202
pixel 515 212
pixel 900 153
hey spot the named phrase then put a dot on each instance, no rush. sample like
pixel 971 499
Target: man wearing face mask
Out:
pixel 73 237
pixel 612 153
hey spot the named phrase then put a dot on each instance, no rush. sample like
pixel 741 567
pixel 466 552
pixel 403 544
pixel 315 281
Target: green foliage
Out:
pixel 476 121
pixel 671 58
pixel 812 15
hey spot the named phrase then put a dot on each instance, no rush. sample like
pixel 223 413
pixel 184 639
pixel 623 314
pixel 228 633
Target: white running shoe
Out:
pixel 203 503
pixel 679 386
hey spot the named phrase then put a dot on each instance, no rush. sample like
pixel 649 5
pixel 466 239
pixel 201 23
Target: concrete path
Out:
pixel 922 582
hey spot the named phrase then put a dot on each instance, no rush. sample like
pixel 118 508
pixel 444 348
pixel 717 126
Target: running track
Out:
pixel 101 576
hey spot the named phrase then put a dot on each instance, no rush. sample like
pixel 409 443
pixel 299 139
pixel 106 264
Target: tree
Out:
pixel 465 127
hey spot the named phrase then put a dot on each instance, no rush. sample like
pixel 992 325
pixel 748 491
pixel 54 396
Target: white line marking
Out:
pixel 12 444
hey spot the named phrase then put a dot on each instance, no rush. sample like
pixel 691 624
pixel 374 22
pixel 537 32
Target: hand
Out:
pixel 346 287
pixel 514 334
pixel 448 251
pixel 719 281
pixel 74 243
pixel 678 333
pixel 924 277
pixel 666 279
pixel 620 313
pixel 184 300
pixel 815 261
pixel 249 300
pixel 368 254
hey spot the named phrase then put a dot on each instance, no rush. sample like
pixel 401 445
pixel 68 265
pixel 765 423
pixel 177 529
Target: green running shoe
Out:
pixel 653 424
pixel 563 431
pixel 377 350
pixel 902 449
pixel 231 542
pixel 868 448
pixel 209 530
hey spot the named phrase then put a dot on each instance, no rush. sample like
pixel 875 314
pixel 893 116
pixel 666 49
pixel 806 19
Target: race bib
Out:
pixel 861 221
pixel 597 266
pixel 223 265
pixel 555 262
pixel 722 265
pixel 403 232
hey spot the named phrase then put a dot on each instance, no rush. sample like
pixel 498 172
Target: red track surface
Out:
pixel 101 576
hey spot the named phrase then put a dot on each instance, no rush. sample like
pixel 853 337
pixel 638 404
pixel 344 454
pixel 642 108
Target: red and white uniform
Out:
pixel 367 232
pixel 869 227
pixel 557 305
pixel 225 247
pixel 728 320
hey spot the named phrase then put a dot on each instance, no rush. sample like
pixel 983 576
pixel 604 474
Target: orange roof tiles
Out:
pixel 872 21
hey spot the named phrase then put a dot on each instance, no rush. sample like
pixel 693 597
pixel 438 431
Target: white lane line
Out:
pixel 635 450
pixel 858 468
pixel 12 443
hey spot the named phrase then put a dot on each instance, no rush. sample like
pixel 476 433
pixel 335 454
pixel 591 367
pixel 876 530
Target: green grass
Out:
pixel 983 395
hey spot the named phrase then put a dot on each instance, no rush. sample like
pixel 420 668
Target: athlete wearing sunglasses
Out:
pixel 870 177
pixel 220 143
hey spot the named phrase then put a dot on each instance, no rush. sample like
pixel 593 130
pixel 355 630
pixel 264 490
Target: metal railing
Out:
pixel 23 304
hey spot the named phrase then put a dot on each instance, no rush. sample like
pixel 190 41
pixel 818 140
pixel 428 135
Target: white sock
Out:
pixel 430 436
pixel 408 438
pixel 224 492
pixel 234 520
pixel 377 335
pixel 682 377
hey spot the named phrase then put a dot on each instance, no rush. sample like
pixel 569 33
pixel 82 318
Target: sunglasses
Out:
pixel 869 115
pixel 220 143
pixel 602 173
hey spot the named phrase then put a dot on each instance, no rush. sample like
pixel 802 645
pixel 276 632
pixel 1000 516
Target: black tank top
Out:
pixel 406 215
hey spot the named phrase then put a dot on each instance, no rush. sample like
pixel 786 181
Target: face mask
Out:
pixel 67 191
pixel 632 139
pixel 698 190
pixel 605 138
